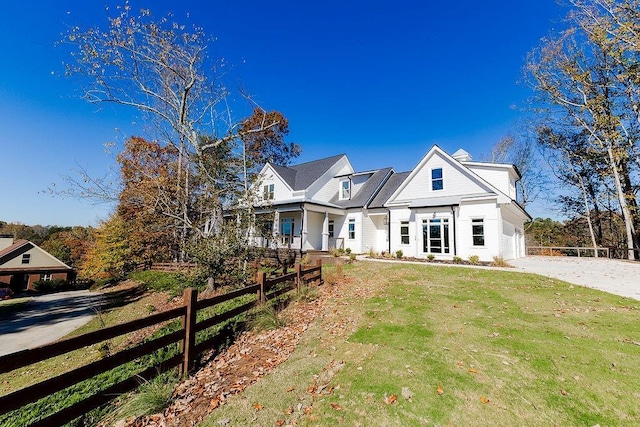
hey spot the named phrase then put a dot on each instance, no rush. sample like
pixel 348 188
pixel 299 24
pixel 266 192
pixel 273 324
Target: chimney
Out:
pixel 6 240
pixel 462 156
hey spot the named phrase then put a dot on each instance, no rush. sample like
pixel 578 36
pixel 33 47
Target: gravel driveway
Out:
pixel 47 318
pixel 613 276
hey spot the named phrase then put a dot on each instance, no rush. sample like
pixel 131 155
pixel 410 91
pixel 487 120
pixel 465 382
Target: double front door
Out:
pixel 435 236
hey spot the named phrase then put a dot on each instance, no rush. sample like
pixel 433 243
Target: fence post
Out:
pixel 262 278
pixel 189 326
pixel 319 264
pixel 298 276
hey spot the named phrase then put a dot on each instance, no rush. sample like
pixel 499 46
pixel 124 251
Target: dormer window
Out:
pixel 345 190
pixel 437 181
pixel 268 192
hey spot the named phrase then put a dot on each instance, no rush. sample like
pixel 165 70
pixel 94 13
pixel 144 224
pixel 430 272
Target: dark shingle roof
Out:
pixel 366 192
pixel 300 177
pixel 388 189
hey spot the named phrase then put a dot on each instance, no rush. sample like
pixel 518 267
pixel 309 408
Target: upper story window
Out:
pixel 437 182
pixel 26 258
pixel 404 232
pixel 345 190
pixel 477 231
pixel 268 191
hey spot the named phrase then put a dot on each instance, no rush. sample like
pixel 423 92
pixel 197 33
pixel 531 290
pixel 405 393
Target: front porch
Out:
pixel 304 227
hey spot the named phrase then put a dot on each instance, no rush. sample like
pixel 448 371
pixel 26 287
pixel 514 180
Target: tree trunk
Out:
pixel 626 214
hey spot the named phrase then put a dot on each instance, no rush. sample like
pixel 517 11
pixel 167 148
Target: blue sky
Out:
pixel 380 81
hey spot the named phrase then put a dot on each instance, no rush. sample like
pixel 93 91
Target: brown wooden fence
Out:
pixel 185 358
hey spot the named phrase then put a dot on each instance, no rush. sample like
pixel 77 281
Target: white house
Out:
pixel 446 206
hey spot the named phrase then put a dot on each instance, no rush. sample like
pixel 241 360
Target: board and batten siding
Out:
pixel 455 182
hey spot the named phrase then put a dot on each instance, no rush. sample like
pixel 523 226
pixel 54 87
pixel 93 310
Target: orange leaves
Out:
pixel 440 390
pixel 280 423
pixel 337 407
pixel 564 392
pixel 484 400
pixel 290 389
pixel 258 407
pixel 473 371
pixel 390 400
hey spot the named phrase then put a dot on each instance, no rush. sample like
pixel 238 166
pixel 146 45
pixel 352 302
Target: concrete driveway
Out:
pixel 47 318
pixel 614 276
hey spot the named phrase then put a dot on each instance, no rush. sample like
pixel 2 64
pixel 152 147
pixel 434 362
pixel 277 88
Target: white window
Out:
pixel 437 181
pixel 435 235
pixel 352 228
pixel 477 232
pixel 45 276
pixel 404 232
pixel 331 229
pixel 26 258
pixel 268 192
pixel 345 190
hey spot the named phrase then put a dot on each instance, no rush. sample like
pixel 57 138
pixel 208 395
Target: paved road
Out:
pixel 47 318
pixel 613 276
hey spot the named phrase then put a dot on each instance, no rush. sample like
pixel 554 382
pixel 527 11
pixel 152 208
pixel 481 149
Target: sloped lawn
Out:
pixel 427 345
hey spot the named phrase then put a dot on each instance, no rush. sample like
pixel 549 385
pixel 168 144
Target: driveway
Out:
pixel 614 276
pixel 47 318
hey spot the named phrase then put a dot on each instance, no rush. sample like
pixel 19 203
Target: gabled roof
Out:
pixel 388 189
pixel 22 246
pixel 300 177
pixel 367 192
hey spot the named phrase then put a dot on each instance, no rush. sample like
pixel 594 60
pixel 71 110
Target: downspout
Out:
pixel 389 230
pixel 453 212
pixel 301 226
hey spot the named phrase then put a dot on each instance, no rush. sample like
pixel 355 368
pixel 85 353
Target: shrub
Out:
pixel 55 285
pixel 498 261
pixel 334 252
pixel 307 293
pixel 399 253
pixel 431 257
pixel 372 253
pixel 457 260
pixel 266 318
pixel 333 276
pixel 347 251
pixel 474 260
pixel 151 397
pixel 352 257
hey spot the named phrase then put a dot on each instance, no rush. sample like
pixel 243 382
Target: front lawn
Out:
pixel 429 345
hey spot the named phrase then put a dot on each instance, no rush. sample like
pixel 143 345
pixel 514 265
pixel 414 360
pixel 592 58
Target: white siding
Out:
pixel 456 182
pixel 327 186
pixel 314 230
pixel 281 190
pixel 369 233
pixel 489 213
pixel 498 177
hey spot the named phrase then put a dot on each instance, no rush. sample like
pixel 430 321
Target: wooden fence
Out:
pixel 185 358
pixel 617 253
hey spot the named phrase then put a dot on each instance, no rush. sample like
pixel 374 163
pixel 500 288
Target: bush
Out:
pixel 334 252
pixel 474 260
pixel 431 257
pixel 498 261
pixel 333 276
pixel 457 260
pixel 372 253
pixel 46 286
pixel 347 251
pixel 266 317
pixel 399 253
pixel 352 257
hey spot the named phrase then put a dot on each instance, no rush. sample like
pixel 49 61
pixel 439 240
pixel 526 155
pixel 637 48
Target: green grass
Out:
pixel 504 348
pixel 161 281
pixel 7 307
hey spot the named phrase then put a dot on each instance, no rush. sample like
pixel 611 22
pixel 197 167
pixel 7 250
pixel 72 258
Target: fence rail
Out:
pixel 185 336
pixel 580 251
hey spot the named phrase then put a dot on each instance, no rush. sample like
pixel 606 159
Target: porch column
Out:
pixel 325 232
pixel 303 240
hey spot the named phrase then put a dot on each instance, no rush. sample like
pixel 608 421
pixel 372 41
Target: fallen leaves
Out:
pixel 390 400
pixel 440 390
pixel 406 393
pixel 564 392
pixel 258 407
pixel 337 407
pixel 484 400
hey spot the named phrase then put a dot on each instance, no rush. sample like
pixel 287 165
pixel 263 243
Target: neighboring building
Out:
pixel 446 206
pixel 22 263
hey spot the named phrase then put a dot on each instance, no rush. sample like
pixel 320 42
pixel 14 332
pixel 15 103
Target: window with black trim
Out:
pixel 404 232
pixel 26 258
pixel 477 232
pixel 437 181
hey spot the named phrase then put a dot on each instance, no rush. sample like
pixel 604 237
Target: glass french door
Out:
pixel 435 236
